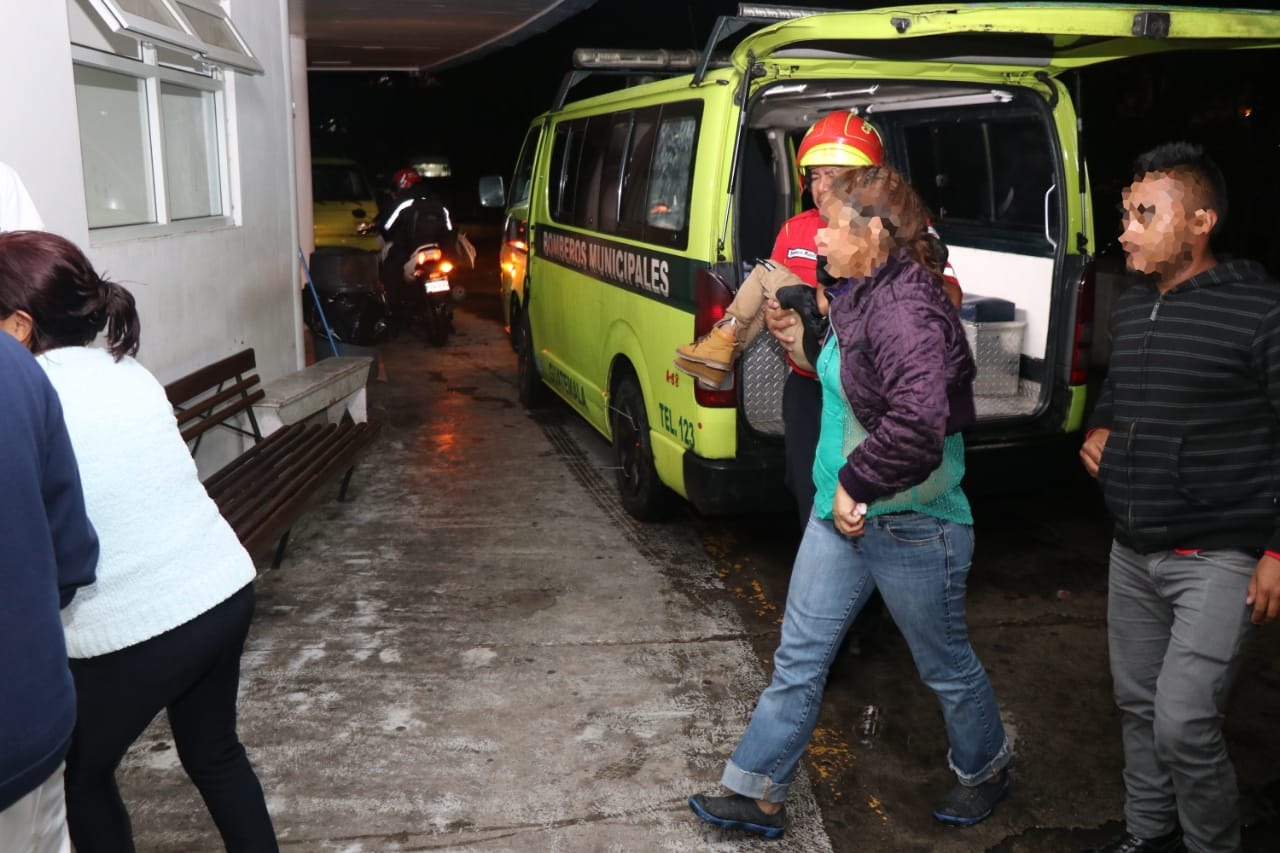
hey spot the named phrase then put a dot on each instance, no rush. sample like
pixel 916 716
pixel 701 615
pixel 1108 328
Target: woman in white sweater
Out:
pixel 164 626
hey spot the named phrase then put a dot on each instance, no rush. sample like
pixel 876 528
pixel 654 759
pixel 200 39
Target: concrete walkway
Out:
pixel 481 651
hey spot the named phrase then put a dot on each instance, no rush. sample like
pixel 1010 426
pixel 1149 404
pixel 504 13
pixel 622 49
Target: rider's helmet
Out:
pixel 405 178
pixel 840 138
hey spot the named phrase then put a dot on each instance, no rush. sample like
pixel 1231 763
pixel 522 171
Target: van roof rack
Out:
pixel 589 62
pixel 632 63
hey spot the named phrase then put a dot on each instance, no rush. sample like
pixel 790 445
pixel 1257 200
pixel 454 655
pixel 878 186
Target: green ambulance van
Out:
pixel 632 216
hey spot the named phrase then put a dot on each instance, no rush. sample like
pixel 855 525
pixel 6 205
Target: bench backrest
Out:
pixel 215 395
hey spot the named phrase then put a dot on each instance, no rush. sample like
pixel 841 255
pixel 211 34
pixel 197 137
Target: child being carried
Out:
pixel 709 359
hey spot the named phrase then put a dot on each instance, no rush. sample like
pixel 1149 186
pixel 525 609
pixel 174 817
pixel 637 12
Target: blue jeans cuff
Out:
pixel 994 766
pixel 754 785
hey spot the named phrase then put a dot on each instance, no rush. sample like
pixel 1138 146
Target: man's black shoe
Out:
pixel 739 812
pixel 1130 843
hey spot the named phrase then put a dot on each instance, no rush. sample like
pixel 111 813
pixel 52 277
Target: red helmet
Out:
pixel 406 178
pixel 840 139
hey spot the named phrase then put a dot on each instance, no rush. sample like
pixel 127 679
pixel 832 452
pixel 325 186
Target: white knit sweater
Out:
pixel 167 555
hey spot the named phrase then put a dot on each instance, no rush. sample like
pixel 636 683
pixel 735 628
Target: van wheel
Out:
pixel 529 387
pixel 643 494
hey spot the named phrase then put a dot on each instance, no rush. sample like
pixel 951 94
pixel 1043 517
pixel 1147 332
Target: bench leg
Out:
pixel 280 546
pixel 346 481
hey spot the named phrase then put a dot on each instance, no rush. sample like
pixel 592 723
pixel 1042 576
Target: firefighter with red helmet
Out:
pixel 838 141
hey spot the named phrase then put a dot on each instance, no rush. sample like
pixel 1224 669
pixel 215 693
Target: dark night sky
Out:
pixel 477 113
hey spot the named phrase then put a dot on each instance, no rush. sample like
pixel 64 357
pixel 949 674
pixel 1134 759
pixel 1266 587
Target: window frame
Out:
pixel 563 183
pixel 152 74
pixel 676 239
pixel 995 235
pixel 185 37
pixel 634 227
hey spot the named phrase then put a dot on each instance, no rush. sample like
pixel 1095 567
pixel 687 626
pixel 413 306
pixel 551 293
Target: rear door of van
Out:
pixel 969 100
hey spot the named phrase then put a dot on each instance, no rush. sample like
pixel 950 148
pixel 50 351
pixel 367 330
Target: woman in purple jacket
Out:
pixel 897 388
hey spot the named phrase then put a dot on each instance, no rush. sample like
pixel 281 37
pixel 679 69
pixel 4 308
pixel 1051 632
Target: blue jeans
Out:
pixel 920 565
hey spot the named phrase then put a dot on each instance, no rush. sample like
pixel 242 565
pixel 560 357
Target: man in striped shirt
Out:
pixel 1186 445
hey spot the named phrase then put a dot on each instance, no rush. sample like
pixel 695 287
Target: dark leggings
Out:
pixel 193 672
pixel 801 421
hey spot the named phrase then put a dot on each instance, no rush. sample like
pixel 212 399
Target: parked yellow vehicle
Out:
pixel 343 205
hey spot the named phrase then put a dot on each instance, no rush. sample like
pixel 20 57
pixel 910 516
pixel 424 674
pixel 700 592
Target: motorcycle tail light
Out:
pixel 428 255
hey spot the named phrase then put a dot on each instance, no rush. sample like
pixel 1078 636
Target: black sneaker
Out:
pixel 966 805
pixel 1130 843
pixel 739 812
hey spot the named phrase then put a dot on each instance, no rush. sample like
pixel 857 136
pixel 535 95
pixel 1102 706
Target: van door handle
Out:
pixel 1047 235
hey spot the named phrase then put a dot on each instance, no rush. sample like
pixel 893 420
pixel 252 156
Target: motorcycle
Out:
pixel 429 294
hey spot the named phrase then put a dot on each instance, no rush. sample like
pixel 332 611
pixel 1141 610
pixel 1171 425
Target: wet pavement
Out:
pixel 482 651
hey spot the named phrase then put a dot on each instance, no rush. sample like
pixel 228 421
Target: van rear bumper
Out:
pixel 749 483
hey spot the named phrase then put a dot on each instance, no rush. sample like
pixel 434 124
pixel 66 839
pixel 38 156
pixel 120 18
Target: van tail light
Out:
pixel 1083 335
pixel 711 296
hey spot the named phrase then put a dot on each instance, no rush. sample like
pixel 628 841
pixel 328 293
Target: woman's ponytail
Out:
pixel 122 324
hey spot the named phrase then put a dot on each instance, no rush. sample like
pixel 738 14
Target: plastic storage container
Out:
pixel 997 349
pixel 977 308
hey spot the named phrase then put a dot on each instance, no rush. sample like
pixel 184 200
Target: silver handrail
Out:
pixel 1047 235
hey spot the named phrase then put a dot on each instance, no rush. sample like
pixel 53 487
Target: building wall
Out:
pixel 200 295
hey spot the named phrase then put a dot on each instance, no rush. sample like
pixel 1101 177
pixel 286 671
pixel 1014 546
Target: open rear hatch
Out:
pixel 1035 36
pixel 966 99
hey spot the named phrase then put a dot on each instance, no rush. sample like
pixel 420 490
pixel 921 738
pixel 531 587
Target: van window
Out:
pixel 633 204
pixel 987 172
pixel 523 177
pixel 628 172
pixel 955 157
pixel 1021 172
pixel 595 143
pixel 670 173
pixel 564 170
pixel 614 162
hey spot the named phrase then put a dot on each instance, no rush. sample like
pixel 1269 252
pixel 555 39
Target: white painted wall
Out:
pixel 200 295
pixel 1025 281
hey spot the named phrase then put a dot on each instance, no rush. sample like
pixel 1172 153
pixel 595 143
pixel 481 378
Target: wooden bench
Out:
pixel 263 490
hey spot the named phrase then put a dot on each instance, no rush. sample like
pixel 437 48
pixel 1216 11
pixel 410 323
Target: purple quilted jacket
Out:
pixel 906 368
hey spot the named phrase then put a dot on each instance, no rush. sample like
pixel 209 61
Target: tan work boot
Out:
pixel 714 349
pixel 711 378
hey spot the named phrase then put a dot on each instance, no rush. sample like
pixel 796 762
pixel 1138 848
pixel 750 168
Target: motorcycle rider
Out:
pixel 417 216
